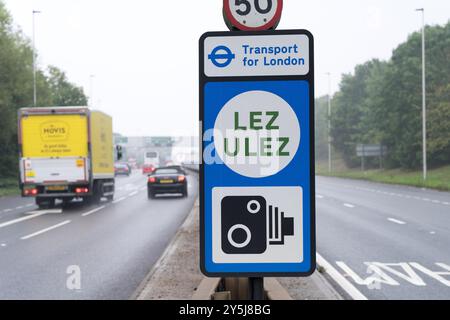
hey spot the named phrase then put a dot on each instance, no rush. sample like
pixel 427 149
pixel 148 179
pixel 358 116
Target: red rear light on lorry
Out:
pixel 152 179
pixel 181 178
pixel 81 190
pixel 30 192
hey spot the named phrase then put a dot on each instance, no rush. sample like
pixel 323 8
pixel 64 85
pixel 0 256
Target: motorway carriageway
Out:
pixel 111 245
pixel 376 241
pixel 380 241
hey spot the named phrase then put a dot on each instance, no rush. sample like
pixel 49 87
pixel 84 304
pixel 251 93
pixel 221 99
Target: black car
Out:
pixel 167 180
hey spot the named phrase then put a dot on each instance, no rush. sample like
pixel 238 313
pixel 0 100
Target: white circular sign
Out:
pixel 253 15
pixel 247 233
pixel 256 134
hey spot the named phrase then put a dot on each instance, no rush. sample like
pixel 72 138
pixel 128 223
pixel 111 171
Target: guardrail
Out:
pixel 192 166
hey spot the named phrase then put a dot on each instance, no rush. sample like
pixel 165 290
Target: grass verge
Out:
pixel 9 187
pixel 438 179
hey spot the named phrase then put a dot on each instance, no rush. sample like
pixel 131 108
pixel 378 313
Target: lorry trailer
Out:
pixel 65 153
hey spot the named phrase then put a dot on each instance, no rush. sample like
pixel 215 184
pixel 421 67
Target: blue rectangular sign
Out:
pixel 257 173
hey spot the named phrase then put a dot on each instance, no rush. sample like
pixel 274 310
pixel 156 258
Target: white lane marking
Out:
pixel 319 196
pixel 400 195
pixel 11 222
pixel 133 194
pixel 348 205
pixel 29 205
pixel 19 207
pixel 396 221
pixel 3 245
pixel 432 232
pixel 436 275
pixel 7 210
pixel 44 211
pixel 93 211
pixel 119 200
pixel 351 290
pixel 45 230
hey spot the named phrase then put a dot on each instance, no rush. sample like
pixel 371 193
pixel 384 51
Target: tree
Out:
pixel 16 88
pixel 382 103
pixel 64 93
pixel 350 125
pixel 321 128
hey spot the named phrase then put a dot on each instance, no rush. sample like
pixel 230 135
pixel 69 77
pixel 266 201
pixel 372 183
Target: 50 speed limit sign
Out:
pixel 252 15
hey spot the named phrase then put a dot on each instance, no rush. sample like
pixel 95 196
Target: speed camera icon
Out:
pixel 249 225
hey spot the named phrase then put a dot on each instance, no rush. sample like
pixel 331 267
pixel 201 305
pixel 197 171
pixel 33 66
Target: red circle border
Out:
pixel 242 27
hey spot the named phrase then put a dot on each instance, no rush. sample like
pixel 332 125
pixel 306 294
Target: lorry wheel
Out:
pixel 150 195
pixel 110 198
pixel 92 200
pixel 185 192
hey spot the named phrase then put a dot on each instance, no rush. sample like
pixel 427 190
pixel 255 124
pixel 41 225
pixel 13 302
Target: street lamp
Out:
pixel 424 101
pixel 91 90
pixel 329 122
pixel 34 59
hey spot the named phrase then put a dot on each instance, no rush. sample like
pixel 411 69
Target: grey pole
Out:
pixel 330 168
pixel 34 60
pixel 91 89
pixel 424 100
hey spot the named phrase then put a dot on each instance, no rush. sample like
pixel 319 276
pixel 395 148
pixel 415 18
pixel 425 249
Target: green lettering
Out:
pixel 247 149
pixel 236 148
pixel 236 122
pixel 254 120
pixel 274 115
pixel 266 147
pixel 281 152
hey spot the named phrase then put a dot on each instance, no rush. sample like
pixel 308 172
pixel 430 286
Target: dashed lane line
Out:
pixel 11 222
pixel 119 200
pixel 348 205
pixel 400 195
pixel 93 211
pixel 396 221
pixel 45 230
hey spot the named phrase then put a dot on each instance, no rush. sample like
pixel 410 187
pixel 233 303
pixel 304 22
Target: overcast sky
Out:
pixel 144 53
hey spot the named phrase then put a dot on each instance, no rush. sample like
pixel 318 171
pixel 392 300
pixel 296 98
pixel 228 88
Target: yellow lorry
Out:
pixel 65 153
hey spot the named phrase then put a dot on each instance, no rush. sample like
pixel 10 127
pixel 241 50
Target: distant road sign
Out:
pixel 252 15
pixel 257 189
pixel 371 150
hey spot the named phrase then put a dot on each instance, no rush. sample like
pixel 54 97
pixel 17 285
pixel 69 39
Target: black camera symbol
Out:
pixel 249 225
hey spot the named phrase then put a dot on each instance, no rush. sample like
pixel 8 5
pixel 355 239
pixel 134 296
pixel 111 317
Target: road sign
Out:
pixel 252 15
pixel 370 150
pixel 257 192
